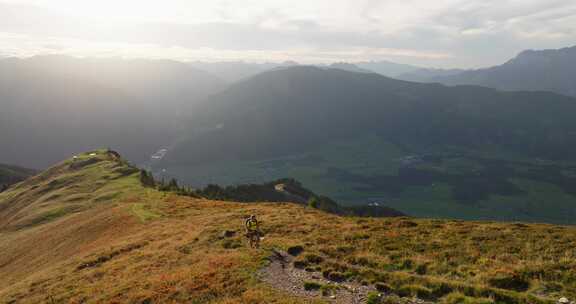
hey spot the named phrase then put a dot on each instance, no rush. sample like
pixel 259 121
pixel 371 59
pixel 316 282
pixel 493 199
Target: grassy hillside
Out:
pixel 85 231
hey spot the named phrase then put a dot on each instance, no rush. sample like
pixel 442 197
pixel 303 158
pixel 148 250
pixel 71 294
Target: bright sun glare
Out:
pixel 128 11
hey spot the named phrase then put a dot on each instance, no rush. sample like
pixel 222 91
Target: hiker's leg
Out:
pixel 257 240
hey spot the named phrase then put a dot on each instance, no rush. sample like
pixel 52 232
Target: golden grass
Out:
pixel 143 246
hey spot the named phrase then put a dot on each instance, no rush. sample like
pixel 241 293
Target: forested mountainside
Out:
pixel 424 149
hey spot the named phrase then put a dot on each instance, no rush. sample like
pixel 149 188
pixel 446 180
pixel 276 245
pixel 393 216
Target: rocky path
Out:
pixel 281 274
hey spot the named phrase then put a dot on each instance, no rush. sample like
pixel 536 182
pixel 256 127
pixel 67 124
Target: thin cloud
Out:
pixel 449 33
pixel 19 45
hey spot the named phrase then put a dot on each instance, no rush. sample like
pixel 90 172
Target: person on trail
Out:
pixel 253 231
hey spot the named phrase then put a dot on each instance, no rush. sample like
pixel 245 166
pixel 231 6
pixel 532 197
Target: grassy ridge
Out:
pixel 72 186
pixel 144 246
pixel 183 256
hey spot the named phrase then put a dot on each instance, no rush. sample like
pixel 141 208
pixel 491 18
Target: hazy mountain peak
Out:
pixel 543 56
pixel 532 70
pixel 387 68
pixel 349 67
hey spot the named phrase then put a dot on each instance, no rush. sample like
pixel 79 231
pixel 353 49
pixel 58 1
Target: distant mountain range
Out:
pixel 428 75
pixel 545 70
pixel 387 68
pixel 360 137
pixel 233 71
pixel 345 130
pixel 348 67
pixel 236 71
pixel 289 108
pixel 55 106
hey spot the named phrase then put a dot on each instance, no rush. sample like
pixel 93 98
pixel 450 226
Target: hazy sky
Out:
pixel 444 33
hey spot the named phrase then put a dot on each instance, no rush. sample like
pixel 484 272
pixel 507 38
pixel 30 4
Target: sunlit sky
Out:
pixel 440 33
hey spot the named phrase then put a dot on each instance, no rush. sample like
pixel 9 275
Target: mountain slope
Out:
pixel 141 245
pixel 546 70
pixel 428 75
pixel 55 106
pixel 11 174
pixel 365 138
pixel 69 187
pixel 348 67
pixel 61 212
pixel 387 68
pixel 284 105
pixel 235 70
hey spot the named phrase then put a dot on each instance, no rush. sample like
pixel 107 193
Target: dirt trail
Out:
pixel 281 274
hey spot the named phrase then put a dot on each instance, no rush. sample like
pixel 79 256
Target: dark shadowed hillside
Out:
pixel 11 174
pixel 290 190
pixel 286 110
pixel 465 150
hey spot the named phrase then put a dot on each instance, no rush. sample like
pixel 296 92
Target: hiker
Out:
pixel 253 231
pixel 113 154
